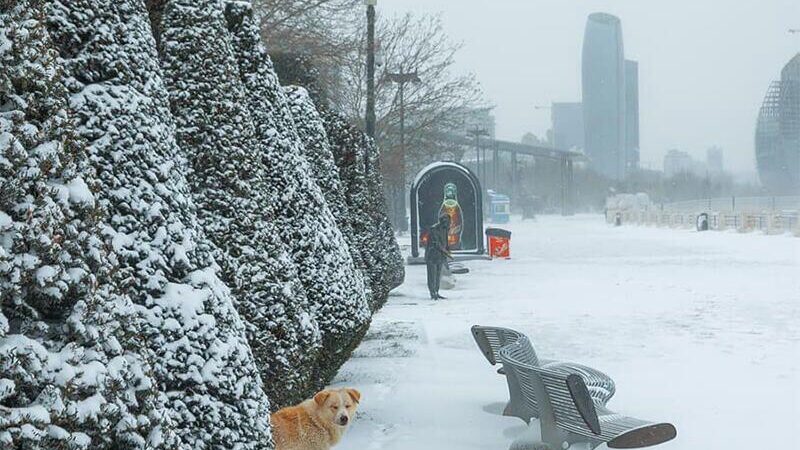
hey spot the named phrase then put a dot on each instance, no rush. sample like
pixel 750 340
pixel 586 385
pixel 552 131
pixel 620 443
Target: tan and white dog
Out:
pixel 317 423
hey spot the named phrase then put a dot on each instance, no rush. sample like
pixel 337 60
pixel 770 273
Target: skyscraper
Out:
pixel 603 75
pixel 778 133
pixel 631 114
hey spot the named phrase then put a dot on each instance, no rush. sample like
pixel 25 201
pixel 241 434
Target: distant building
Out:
pixel 678 162
pixel 778 133
pixel 603 80
pixel 567 126
pixel 631 114
pixel 714 161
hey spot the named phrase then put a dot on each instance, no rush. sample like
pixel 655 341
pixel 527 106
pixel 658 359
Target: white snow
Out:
pixel 5 221
pixel 698 329
pixel 79 192
pixel 89 407
pixel 185 300
pixel 7 387
pixel 45 274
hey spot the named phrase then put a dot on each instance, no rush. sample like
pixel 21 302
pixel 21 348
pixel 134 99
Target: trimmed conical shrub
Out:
pixel 364 197
pixel 317 152
pixel 230 186
pixel 71 372
pixel 334 286
pixel 201 358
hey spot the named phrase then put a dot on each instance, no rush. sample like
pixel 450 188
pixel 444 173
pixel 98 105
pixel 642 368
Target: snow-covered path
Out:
pixel 700 329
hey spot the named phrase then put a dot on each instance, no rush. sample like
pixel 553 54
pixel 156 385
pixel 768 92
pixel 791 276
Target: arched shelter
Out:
pixel 448 187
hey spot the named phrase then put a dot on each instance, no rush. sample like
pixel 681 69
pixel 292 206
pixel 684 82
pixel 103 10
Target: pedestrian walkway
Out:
pixel 651 307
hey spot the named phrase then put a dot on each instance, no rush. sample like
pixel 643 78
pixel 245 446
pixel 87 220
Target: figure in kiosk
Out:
pixel 451 208
pixel 437 254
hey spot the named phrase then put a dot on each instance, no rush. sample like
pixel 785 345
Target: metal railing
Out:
pixel 734 204
pixel 771 215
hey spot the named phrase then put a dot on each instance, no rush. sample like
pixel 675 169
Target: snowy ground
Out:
pixel 699 329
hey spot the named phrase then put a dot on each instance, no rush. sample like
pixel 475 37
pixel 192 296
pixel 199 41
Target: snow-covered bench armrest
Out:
pixel 568 412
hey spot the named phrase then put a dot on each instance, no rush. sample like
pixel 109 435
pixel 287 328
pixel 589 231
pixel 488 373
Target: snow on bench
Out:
pixel 568 414
pixel 491 339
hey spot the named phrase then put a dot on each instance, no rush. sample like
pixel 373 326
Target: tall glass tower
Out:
pixel 631 114
pixel 778 133
pixel 603 75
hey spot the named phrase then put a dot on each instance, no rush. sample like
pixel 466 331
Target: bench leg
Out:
pixel 512 410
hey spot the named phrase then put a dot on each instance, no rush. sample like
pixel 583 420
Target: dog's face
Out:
pixel 337 406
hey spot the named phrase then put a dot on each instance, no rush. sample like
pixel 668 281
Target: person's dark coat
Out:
pixel 436 254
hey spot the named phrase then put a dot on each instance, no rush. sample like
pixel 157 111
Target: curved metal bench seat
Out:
pixel 569 414
pixel 600 385
pixel 491 339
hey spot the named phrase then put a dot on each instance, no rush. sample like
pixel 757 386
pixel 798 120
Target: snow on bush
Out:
pixel 334 287
pixel 231 189
pixel 71 375
pixel 200 356
pixel 317 152
pixel 170 229
pixel 364 196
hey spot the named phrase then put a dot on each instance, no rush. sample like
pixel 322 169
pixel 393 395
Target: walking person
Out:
pixel 436 254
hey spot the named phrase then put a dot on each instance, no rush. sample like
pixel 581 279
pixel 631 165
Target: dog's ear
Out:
pixel 321 397
pixel 354 394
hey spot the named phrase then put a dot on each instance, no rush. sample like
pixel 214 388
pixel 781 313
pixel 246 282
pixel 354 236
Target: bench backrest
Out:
pixel 514 357
pixel 573 407
pixel 491 339
pixel 567 412
pixel 574 411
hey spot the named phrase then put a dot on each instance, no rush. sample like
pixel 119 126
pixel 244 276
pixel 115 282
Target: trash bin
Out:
pixel 702 222
pixel 617 219
pixel 499 242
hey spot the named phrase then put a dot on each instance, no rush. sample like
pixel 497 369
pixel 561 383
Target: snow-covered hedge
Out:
pixel 179 240
pixel 334 286
pixel 317 151
pixel 365 199
pixel 70 372
pixel 216 133
pixel 200 355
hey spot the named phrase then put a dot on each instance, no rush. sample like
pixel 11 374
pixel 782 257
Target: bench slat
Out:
pixel 574 410
pixel 491 339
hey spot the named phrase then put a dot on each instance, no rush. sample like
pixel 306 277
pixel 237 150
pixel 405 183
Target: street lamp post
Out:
pixel 370 116
pixel 401 78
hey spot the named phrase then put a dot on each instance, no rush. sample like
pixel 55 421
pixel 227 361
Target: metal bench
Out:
pixel 491 339
pixel 569 415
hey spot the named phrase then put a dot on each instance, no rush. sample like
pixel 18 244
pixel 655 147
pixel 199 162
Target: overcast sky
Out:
pixel 704 65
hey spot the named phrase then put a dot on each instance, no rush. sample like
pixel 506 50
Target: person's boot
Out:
pixel 439 297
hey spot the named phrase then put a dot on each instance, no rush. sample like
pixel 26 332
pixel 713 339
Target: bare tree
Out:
pixel 434 107
pixel 321 44
pixel 310 40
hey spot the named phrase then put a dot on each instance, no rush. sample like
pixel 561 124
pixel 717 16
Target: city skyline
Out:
pixel 694 92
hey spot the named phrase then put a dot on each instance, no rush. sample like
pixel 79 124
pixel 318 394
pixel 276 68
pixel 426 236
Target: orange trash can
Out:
pixel 499 242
